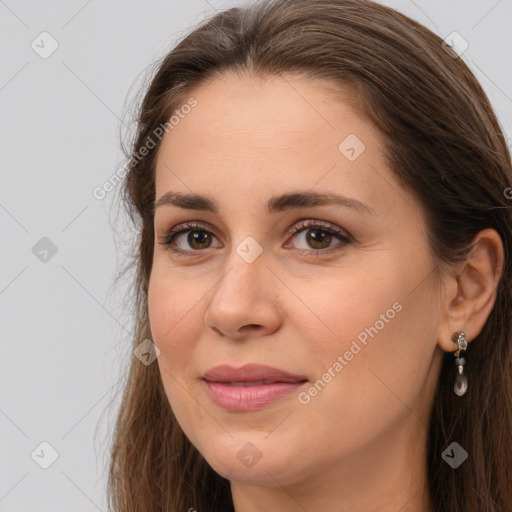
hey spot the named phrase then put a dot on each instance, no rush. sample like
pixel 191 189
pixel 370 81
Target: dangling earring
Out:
pixel 461 382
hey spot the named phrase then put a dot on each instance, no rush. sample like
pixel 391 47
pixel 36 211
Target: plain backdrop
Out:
pixel 65 327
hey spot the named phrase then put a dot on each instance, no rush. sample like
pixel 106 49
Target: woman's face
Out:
pixel 346 305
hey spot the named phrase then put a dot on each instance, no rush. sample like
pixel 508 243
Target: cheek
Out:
pixel 383 331
pixel 380 356
pixel 173 308
pixel 356 308
pixel 176 326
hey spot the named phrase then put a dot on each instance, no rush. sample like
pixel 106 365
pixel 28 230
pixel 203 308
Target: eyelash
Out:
pixel 302 225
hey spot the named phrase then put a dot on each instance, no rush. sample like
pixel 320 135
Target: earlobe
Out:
pixel 473 294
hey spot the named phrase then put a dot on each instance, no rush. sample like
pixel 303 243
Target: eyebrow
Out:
pixel 275 204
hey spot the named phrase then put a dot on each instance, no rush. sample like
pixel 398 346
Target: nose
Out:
pixel 244 302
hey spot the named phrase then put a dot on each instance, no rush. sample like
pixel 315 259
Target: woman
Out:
pixel 322 194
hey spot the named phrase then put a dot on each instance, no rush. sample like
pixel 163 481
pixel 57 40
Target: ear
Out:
pixel 471 289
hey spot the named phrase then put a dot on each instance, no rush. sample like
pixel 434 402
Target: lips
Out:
pixel 250 387
pixel 250 374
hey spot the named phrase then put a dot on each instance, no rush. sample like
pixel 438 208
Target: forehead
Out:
pixel 247 113
pixel 247 134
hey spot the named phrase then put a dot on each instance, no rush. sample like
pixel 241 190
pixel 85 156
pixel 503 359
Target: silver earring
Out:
pixel 461 382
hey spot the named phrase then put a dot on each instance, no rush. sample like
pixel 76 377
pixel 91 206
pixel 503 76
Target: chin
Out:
pixel 242 461
pixel 261 474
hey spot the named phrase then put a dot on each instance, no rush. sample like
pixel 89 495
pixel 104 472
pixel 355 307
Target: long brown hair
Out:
pixel 444 144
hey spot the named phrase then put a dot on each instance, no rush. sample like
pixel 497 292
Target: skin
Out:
pixel 359 443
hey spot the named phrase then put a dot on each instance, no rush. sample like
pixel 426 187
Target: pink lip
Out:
pixel 250 387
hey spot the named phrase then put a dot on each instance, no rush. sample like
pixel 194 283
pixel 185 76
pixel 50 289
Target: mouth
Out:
pixel 250 373
pixel 250 387
pixel 248 384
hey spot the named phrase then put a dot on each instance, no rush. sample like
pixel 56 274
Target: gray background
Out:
pixel 65 327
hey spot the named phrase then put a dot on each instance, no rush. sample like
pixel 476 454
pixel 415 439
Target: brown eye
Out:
pixel 316 237
pixel 199 239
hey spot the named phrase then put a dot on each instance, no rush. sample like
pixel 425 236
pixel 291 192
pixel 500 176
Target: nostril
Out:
pixel 249 326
